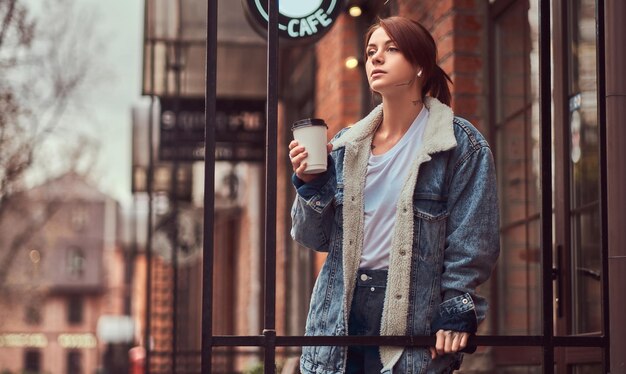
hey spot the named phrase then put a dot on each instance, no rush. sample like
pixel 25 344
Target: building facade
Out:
pixel 492 51
pixel 63 268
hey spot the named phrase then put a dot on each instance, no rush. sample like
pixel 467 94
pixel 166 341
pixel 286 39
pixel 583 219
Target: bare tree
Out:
pixel 47 60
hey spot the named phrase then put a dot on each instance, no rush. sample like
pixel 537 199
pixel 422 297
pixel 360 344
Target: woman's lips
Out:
pixel 377 73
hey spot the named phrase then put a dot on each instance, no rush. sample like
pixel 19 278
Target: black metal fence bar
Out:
pixel 401 340
pixel 269 330
pixel 545 102
pixel 209 186
pixel 269 341
pixel 581 341
pixel 600 71
pixel 174 191
pixel 149 189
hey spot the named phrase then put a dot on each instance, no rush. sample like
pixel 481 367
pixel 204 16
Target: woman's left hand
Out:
pixel 448 341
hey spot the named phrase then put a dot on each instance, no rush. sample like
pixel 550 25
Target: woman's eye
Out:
pixel 371 53
pixel 392 49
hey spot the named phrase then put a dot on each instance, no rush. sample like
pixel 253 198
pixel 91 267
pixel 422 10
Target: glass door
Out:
pixel 584 169
pixel 515 108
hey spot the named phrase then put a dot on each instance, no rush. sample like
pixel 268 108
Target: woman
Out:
pixel 407 212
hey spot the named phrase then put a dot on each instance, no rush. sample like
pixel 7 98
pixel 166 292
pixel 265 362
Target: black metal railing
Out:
pixel 545 102
pixel 209 187
pixel 604 222
pixel 269 340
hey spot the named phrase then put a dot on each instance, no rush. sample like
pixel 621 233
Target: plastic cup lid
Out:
pixel 308 122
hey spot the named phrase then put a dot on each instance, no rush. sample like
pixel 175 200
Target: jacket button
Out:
pixel 465 301
pixel 372 289
pixel 363 277
pixel 318 203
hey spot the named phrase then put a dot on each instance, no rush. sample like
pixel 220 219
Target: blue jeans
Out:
pixel 365 316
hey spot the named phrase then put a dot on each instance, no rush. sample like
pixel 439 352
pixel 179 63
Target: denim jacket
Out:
pixel 445 241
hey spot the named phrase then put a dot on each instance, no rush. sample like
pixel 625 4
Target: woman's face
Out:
pixel 386 67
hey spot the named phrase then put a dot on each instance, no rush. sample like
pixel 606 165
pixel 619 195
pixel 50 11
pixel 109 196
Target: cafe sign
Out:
pixel 298 21
pixel 239 129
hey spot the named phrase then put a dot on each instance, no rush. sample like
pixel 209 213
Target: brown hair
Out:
pixel 419 48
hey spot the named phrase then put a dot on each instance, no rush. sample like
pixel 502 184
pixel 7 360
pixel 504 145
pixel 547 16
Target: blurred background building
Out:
pixel 66 278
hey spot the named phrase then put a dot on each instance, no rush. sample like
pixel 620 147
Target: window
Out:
pixel 79 218
pixel 74 360
pixel 75 264
pixel 575 285
pixel 32 313
pixel 583 168
pixel 75 310
pixel 32 361
pixel 516 129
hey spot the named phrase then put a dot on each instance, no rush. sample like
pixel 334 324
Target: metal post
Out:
pixel 130 262
pixel 615 10
pixel 604 227
pixel 545 97
pixel 209 187
pixel 174 222
pixel 150 179
pixel 149 187
pixel 269 330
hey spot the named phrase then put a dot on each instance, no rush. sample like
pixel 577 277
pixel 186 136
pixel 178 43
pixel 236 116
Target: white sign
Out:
pixel 115 329
pixel 77 341
pixel 23 340
pixel 298 21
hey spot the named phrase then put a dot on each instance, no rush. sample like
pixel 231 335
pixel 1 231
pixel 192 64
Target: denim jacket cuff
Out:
pixel 457 314
pixel 314 187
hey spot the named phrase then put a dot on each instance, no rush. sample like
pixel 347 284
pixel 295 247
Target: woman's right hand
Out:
pixel 298 155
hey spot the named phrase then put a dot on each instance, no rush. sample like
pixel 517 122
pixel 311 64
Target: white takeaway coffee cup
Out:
pixel 311 133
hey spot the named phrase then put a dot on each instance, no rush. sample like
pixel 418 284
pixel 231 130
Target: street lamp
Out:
pixel 355 11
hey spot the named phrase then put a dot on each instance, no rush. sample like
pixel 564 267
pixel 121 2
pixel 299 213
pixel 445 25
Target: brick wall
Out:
pixel 338 94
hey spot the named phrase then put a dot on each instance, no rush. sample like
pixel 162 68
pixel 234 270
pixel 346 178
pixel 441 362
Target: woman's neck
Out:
pixel 398 115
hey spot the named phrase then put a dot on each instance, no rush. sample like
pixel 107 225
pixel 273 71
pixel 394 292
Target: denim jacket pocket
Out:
pixel 429 229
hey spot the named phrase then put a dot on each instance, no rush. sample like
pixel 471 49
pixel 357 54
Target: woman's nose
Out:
pixel 377 58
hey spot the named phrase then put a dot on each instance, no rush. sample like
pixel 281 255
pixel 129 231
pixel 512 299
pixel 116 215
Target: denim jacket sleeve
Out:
pixel 472 241
pixel 312 213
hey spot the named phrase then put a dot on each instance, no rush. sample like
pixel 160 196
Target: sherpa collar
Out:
pixel 438 136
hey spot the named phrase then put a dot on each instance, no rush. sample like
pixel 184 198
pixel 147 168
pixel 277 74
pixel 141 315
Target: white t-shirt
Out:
pixel 386 174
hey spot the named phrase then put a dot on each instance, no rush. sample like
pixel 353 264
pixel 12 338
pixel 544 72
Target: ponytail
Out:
pixel 437 85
